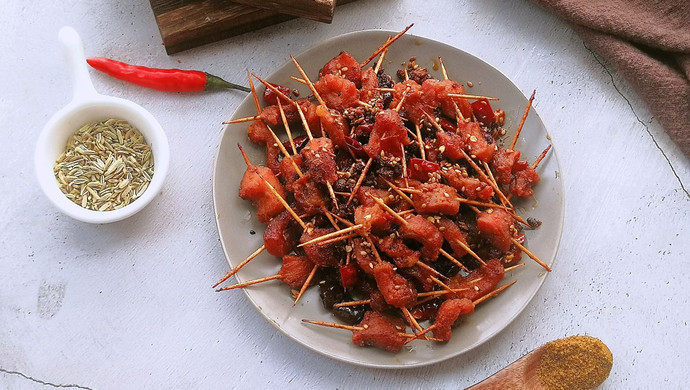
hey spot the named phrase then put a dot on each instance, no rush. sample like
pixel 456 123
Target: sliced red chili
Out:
pixel 520 238
pixel 300 142
pixel 447 125
pixel 355 146
pixel 483 111
pixel 348 275
pixel 425 311
pixel 270 97
pixel 419 169
pixel 391 145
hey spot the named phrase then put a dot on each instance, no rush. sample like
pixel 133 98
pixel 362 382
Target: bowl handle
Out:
pixel 76 61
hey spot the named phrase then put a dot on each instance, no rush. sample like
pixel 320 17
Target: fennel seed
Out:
pixel 105 166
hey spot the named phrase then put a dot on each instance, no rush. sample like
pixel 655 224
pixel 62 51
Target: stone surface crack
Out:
pixel 8 372
pixel 646 128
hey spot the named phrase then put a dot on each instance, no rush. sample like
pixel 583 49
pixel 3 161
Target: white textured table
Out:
pixel 129 305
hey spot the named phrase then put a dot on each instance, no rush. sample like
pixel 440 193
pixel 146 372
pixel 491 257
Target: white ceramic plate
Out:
pixel 237 217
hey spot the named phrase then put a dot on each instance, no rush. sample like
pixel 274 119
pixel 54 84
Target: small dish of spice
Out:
pixel 106 166
pixel 100 159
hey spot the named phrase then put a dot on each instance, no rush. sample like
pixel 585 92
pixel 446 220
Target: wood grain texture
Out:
pixel 319 10
pixel 520 375
pixel 185 24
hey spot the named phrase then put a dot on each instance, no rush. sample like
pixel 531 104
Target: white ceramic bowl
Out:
pixel 88 106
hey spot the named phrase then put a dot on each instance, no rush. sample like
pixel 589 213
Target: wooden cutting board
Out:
pixel 185 24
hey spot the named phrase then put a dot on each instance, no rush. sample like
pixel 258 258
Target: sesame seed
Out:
pixel 365 326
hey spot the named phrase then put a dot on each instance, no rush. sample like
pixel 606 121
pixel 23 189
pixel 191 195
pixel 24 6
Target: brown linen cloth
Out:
pixel 648 41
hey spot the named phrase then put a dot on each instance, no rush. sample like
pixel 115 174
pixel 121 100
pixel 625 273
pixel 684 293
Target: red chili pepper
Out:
pixel 420 169
pixel 520 238
pixel 300 142
pixel 447 125
pixel 483 111
pixel 391 145
pixel 348 275
pixel 271 97
pixel 169 80
pixel 355 146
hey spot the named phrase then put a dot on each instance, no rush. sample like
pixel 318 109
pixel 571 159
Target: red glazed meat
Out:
pixel 387 136
pixel 436 198
pixel 494 224
pixel 338 93
pixel 295 270
pixel 253 187
pixel 396 290
pixel 319 160
pixel 343 65
pixel 479 282
pixel 470 187
pixel 279 238
pixel 426 233
pixel 323 255
pixel 448 314
pixel 452 233
pixel 502 164
pixel 475 142
pixel 381 331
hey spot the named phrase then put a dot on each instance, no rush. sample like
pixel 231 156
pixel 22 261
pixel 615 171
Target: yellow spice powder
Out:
pixel 574 363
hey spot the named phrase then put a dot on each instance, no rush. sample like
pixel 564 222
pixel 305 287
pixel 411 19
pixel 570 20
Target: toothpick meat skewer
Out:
pixel 358 120
pixel 240 265
pixel 475 97
pixel 385 45
pixel 294 273
pixel 522 121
